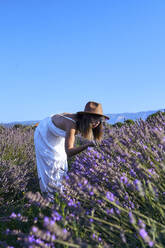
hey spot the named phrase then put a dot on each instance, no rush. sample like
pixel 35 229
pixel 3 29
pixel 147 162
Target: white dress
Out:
pixel 51 157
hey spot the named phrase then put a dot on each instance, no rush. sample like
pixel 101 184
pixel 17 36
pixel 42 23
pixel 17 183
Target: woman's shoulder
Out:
pixel 65 121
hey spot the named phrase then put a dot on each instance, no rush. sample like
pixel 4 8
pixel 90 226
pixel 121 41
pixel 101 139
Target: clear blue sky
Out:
pixel 55 55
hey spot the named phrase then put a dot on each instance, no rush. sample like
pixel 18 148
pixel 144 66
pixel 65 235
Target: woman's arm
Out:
pixel 69 144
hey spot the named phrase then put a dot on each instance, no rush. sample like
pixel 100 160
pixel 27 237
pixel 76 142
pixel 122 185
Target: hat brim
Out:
pixel 86 112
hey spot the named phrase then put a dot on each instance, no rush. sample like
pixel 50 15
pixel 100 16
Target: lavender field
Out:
pixel 114 193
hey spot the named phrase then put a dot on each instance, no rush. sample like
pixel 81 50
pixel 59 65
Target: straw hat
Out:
pixel 93 108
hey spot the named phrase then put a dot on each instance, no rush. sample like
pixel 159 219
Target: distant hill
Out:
pixel 26 123
pixel 133 116
pixel 121 117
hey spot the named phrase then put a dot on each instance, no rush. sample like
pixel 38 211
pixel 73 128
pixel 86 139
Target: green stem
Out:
pixel 105 222
pixel 135 212
pixel 66 243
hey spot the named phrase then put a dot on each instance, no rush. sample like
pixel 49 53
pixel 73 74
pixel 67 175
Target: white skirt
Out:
pixel 51 157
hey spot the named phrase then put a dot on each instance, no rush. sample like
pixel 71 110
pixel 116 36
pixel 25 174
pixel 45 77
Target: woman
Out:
pixel 54 140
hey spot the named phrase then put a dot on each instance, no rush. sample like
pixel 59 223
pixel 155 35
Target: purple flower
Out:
pixel 34 229
pixel 48 233
pixel 132 173
pixel 35 219
pixel 7 230
pixel 56 216
pixel 141 223
pixel 53 237
pixel 145 147
pixel 117 211
pixel 138 185
pixel 85 181
pixel 118 158
pixel 110 196
pixel 143 233
pixel 93 235
pixel 71 202
pixel 163 139
pixel 131 218
pixel 151 243
pixel 67 177
pixel 13 215
pixel 52 222
pixel 126 197
pixel 112 211
pixel 46 220
pixel 136 181
pixel 151 171
pixel 131 204
pixel 31 238
pixel 124 179
pixel 39 241
pixel 145 236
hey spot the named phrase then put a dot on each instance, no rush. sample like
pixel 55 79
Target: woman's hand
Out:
pixel 92 143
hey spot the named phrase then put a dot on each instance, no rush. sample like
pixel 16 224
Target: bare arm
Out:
pixel 69 144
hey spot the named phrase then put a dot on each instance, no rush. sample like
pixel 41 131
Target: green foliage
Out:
pixel 1 128
pixel 17 155
pixel 152 116
pixel 18 126
pixel 118 124
pixel 129 122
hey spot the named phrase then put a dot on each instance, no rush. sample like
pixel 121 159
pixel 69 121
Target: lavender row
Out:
pixel 113 195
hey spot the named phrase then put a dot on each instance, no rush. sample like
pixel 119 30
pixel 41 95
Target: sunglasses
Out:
pixel 97 120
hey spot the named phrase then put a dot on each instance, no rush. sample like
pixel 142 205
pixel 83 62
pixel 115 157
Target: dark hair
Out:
pixel 84 127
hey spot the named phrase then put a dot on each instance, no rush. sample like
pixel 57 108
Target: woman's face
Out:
pixel 95 121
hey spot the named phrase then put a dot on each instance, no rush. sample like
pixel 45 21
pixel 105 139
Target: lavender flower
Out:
pixel 13 215
pixel 110 196
pixel 125 155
